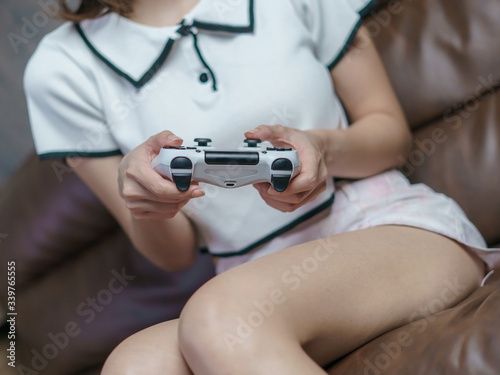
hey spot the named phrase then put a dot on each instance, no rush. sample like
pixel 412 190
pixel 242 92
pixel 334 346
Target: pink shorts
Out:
pixel 384 199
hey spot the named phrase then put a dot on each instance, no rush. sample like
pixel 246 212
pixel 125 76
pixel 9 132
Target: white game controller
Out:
pixel 228 169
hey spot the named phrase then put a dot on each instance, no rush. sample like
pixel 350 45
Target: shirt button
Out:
pixel 203 77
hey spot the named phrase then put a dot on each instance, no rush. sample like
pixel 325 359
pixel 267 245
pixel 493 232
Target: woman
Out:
pixel 305 275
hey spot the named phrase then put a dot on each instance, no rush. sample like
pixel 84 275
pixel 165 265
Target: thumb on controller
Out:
pixel 164 139
pixel 276 134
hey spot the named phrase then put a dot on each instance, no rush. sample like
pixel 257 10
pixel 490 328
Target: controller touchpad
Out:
pixel 231 172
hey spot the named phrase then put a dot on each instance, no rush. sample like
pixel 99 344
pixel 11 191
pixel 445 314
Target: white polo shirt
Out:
pixel 104 86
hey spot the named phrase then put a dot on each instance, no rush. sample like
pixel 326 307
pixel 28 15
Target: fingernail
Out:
pixel 251 131
pixel 173 137
pixel 198 193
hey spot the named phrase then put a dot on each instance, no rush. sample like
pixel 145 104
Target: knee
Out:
pixel 215 333
pixel 204 322
pixel 121 361
pixel 154 350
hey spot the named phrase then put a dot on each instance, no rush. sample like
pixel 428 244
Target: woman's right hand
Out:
pixel 147 194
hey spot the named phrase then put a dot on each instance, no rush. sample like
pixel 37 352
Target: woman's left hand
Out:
pixel 311 179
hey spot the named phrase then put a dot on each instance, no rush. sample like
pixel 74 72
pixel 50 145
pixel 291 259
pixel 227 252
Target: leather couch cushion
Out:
pixel 105 293
pixel 459 156
pixel 48 215
pixel 437 53
pixel 463 340
pixel 73 265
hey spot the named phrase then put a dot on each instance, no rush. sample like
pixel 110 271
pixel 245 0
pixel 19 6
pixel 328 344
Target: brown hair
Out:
pixel 94 8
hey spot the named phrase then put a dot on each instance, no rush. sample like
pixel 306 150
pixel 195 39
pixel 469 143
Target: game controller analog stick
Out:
pixel 227 168
pixel 202 142
pixel 252 142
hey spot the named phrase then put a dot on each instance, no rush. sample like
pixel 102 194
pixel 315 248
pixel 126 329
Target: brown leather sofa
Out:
pixel 81 287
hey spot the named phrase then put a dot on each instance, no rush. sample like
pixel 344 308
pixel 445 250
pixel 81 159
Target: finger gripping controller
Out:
pixel 227 168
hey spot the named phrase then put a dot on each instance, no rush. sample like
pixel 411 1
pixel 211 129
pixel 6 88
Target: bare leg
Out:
pixel 152 351
pixel 295 311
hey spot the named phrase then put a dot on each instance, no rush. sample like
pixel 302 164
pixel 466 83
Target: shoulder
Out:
pixel 59 57
pixel 332 25
pixel 306 9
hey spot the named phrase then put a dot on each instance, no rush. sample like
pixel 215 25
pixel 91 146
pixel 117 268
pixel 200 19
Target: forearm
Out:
pixel 379 137
pixel 372 144
pixel 169 243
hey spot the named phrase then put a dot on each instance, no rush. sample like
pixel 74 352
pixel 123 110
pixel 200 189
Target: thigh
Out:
pixel 333 295
pixel 152 351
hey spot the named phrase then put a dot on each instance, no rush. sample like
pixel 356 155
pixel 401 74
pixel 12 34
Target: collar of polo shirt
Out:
pixel 136 51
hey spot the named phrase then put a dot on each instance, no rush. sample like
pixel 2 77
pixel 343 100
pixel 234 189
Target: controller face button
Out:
pixel 191 148
pixel 181 163
pixel 280 183
pixel 282 165
pixel 182 180
pixel 271 149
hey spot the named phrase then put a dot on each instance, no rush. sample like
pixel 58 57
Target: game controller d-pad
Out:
pixel 227 168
